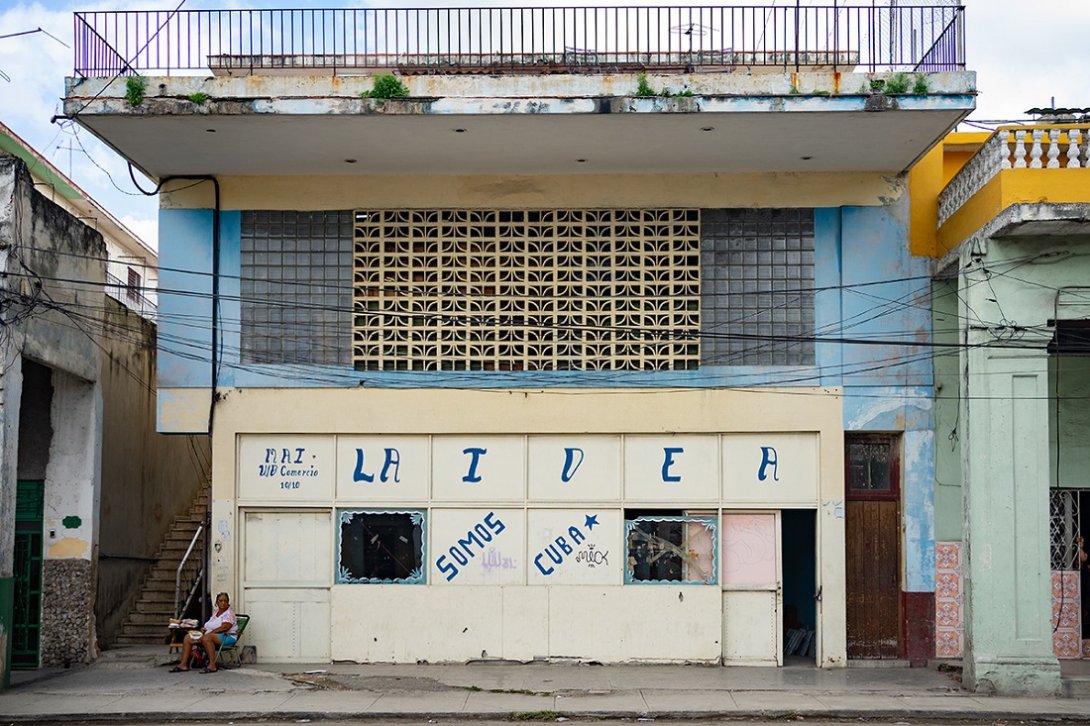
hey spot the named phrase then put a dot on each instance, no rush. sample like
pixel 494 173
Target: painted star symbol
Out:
pixel 592 519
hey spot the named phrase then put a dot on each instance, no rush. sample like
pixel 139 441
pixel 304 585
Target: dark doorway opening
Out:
pixel 798 528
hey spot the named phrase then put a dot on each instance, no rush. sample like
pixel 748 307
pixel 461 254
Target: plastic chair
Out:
pixel 241 621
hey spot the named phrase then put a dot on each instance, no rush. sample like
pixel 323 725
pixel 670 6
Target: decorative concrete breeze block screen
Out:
pixel 540 289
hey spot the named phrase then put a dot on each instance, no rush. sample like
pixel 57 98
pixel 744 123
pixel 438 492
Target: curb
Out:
pixel 856 714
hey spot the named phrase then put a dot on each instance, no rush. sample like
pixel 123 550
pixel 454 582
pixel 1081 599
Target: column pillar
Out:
pixel 1005 466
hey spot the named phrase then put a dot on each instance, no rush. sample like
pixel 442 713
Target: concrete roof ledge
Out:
pixel 803 84
pixel 811 121
pixel 1040 219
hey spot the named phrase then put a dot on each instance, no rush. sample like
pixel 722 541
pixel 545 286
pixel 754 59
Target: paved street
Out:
pixel 135 685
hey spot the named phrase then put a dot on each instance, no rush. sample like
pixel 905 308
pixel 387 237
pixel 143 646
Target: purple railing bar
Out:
pixel 521 39
pixel 948 47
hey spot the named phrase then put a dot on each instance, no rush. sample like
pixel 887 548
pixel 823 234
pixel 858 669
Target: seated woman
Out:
pixel 219 628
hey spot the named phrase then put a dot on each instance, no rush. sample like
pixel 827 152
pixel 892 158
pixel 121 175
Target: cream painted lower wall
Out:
pixel 653 623
pixel 445 623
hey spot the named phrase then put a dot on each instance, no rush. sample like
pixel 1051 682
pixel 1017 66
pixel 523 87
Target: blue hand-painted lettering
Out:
pixel 542 570
pixel 571 464
pixel 286 456
pixel 393 459
pixel 472 476
pixel 466 548
pixel 359 474
pixel 668 454
pixel 560 549
pixel 446 567
pixel 769 458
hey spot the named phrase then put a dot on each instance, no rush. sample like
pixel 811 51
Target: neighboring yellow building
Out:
pixel 1006 217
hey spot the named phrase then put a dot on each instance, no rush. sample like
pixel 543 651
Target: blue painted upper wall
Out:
pixel 185 298
pixel 869 288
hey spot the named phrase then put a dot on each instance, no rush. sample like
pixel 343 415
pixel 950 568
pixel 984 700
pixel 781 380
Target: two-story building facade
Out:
pixel 600 338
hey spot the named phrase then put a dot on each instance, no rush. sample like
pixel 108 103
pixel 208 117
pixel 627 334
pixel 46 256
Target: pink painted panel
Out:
pixel 749 549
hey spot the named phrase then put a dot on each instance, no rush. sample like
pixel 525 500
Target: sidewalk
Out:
pixel 135 684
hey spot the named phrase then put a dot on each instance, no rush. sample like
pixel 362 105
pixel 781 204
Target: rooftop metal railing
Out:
pixel 130 296
pixel 842 36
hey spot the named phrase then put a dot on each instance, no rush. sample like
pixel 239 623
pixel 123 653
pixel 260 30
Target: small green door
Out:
pixel 27 620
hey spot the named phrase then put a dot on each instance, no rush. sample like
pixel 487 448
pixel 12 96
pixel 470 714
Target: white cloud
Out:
pixel 146 228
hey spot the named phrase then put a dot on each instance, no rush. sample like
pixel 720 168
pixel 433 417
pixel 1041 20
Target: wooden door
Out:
pixel 873 534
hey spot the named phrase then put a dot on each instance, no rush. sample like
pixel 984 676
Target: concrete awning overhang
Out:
pixel 303 135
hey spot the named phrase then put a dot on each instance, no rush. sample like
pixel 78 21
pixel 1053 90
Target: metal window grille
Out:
pixel 296 287
pixel 757 301
pixel 1064 528
pixel 543 289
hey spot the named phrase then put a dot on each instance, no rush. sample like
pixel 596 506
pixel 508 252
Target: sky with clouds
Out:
pixel 1025 55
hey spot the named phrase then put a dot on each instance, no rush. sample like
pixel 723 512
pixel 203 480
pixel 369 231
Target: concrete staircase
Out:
pixel 146 623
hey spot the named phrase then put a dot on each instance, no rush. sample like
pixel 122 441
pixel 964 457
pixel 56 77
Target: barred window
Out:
pixel 757 297
pixel 296 287
pixel 614 289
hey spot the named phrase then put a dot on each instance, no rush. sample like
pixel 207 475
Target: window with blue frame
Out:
pixel 381 546
pixel 671 549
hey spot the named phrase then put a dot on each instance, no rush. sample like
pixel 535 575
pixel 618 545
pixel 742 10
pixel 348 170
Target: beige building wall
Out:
pixel 575 190
pixel 293 536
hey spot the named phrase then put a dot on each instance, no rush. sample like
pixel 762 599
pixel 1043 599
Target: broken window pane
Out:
pixel 381 547
pixel 671 549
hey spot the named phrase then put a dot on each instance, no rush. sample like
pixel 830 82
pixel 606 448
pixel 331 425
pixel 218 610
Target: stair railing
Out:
pixel 178 575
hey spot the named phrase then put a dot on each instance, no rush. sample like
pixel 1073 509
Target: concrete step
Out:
pixel 150 616
pixel 1075 686
pixel 124 639
pixel 146 622
pixel 170 573
pixel 145 630
pixel 176 549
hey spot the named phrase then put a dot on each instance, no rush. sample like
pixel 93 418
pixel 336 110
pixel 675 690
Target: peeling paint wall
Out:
pixel 70 506
pixel 44 245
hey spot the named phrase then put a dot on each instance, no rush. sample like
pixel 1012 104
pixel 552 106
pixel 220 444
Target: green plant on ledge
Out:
pixel 643 88
pixel 897 83
pixel 387 86
pixel 198 97
pixel 921 87
pixel 135 89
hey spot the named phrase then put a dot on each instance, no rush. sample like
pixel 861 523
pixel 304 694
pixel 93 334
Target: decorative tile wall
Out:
pixel 949 628
pixel 1066 616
